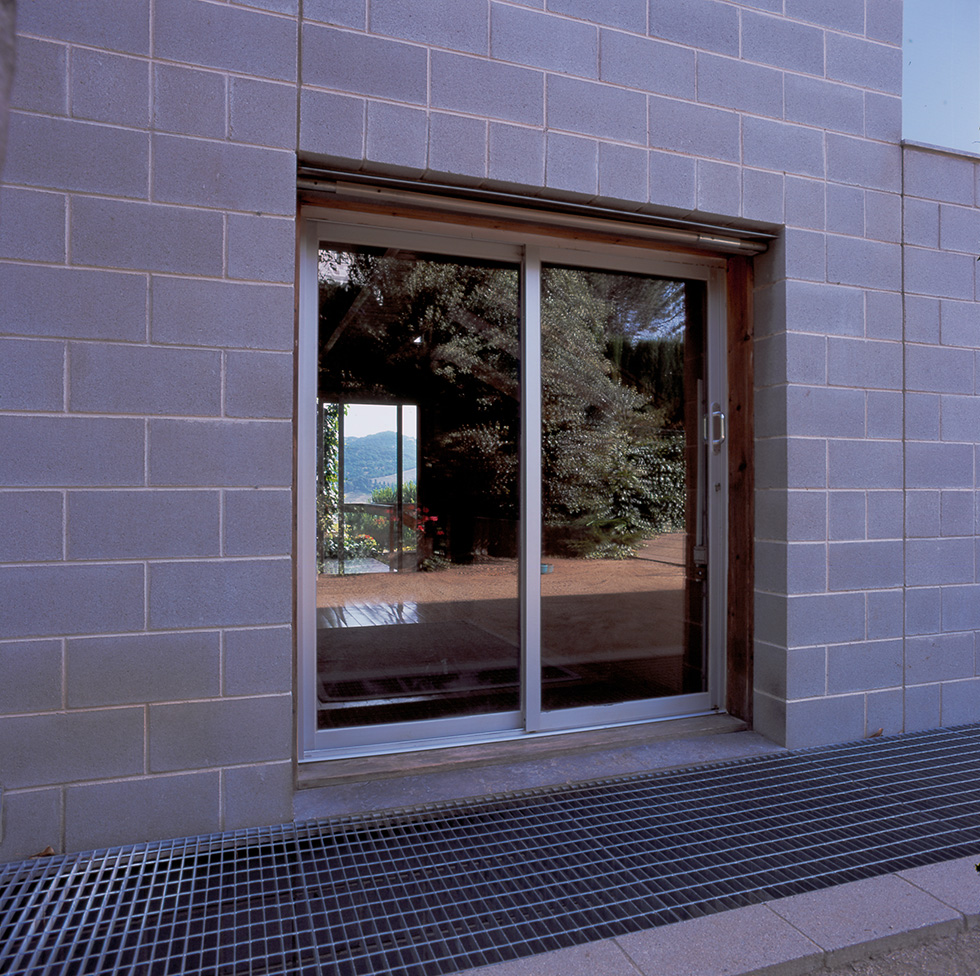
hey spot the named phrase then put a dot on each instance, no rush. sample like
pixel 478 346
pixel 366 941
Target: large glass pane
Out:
pixel 623 569
pixel 417 496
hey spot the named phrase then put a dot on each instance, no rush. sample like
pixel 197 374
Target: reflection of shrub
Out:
pixel 640 493
pixel 357 547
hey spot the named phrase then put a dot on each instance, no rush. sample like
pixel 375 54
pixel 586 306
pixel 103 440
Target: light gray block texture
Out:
pixel 885 415
pixel 865 364
pixel 672 180
pixel 258 523
pixel 260 248
pixel 33 226
pixel 594 957
pixel 627 14
pixel 739 85
pixel 258 384
pixel 40 750
pixel 149 808
pixel 868 64
pixel 960 323
pixel 253 796
pixel 197 312
pixel 945 274
pixel 703 24
pixel 883 315
pixel 823 104
pixel 345 13
pixel 930 465
pixel 762 195
pixel 837 14
pixel 845 209
pixel 127 379
pixel 31 677
pixel 32 822
pixel 457 145
pixel 397 136
pixel 258 662
pixel 882 117
pixel 935 176
pixel 145 668
pixel 516 154
pixel 32 526
pixel 647 64
pixel 119 25
pixel 220 593
pixel 80 304
pixel 363 65
pixel 864 565
pixel 960 418
pixel 769 144
pixel 219 453
pixel 863 666
pixel 203 735
pixel 868 264
pixel 32 375
pixel 540 40
pixel 782 43
pixel 41 601
pixel 719 188
pixel 623 173
pixel 262 112
pixel 804 203
pixel 940 657
pixel 885 712
pixel 746 940
pixel 865 464
pixel 79 451
pixel 595 109
pixel 66 154
pixel 225 175
pixel 885 614
pixel 226 37
pixel 119 234
pixel 961 607
pixel 189 101
pixel 699 130
pixel 571 164
pixel 822 721
pixel 922 707
pixel 331 125
pixel 441 23
pixel 142 524
pixel 923 610
pixel 41 77
pixel 110 88
pixel 933 562
pixel 885 912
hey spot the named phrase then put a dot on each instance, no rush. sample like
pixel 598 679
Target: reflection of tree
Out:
pixel 612 377
pixel 444 334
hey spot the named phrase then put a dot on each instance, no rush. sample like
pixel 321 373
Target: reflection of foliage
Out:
pixel 613 391
pixel 443 334
pixel 328 488
pixel 386 494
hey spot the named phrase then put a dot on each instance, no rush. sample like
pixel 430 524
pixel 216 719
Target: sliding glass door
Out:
pixel 508 487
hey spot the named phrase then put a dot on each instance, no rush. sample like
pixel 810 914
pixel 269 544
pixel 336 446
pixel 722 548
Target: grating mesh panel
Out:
pixel 432 890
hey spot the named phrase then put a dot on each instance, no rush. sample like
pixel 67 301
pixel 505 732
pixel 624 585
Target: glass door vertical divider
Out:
pixel 530 562
pixel 306 479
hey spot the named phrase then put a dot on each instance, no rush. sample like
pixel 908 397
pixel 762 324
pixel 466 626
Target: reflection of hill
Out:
pixel 369 459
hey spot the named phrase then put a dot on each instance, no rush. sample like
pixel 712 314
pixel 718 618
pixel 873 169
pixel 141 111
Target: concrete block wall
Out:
pixel 147 237
pixel 147 245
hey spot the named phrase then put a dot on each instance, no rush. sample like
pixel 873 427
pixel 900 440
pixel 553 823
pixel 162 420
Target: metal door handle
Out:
pixel 718 427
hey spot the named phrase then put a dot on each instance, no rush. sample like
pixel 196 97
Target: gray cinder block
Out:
pixel 142 524
pixel 189 101
pixel 142 668
pixel 647 64
pixel 539 40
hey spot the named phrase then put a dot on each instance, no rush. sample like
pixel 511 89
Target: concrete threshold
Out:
pixel 875 919
pixel 372 783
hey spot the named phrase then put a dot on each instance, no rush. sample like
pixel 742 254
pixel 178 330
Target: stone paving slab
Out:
pixel 791 936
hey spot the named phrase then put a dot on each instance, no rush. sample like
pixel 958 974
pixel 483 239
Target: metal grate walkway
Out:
pixel 436 889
